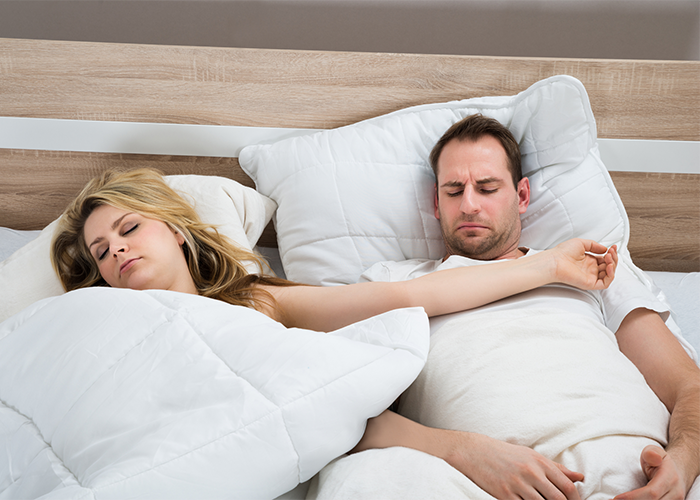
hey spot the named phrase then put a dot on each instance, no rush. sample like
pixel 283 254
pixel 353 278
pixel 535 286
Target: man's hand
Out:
pixel 665 480
pixel 508 471
pixel 503 470
pixel 585 264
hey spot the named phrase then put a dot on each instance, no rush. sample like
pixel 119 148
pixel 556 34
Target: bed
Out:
pixel 69 110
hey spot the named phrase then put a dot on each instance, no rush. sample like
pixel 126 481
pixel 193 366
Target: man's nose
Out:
pixel 470 202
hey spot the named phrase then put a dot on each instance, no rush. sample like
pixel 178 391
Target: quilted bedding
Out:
pixel 110 393
pixel 541 378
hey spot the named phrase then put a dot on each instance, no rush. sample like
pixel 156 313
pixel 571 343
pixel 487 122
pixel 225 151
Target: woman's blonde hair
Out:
pixel 215 263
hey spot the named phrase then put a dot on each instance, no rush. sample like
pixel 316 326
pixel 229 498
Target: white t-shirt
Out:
pixel 609 307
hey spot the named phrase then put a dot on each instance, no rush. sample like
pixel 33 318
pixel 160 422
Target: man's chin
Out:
pixel 481 251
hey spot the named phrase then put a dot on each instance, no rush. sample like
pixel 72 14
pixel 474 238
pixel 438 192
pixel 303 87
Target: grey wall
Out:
pixel 637 29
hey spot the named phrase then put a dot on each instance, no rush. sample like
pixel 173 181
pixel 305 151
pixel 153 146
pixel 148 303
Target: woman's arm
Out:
pixel 443 292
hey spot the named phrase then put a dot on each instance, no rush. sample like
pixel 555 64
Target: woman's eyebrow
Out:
pixel 114 226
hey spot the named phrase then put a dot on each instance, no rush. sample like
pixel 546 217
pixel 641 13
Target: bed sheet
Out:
pixel 682 291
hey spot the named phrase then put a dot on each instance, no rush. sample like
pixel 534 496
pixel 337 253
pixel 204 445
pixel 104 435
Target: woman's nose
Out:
pixel 118 248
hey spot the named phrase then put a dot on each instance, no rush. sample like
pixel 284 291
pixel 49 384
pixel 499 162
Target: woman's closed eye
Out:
pixel 127 229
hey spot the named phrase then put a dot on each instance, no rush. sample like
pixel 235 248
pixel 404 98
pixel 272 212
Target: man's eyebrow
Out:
pixel 452 184
pixel 486 180
pixel 489 180
pixel 114 226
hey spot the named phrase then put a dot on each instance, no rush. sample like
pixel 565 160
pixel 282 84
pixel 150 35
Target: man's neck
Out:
pixel 516 253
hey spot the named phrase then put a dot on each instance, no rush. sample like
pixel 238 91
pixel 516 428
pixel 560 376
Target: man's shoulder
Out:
pixel 400 270
pixel 413 268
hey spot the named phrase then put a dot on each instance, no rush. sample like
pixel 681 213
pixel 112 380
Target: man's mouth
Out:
pixel 469 226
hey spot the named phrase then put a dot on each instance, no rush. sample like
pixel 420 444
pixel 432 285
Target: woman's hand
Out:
pixel 584 264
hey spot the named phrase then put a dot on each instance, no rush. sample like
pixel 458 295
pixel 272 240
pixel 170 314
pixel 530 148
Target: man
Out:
pixel 479 197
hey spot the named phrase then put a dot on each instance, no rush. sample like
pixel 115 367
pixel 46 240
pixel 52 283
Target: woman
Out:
pixel 131 230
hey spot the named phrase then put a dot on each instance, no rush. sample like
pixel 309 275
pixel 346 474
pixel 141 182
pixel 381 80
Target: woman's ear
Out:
pixel 179 237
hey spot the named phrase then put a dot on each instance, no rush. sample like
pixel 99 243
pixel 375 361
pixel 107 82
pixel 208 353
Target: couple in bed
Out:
pixel 131 230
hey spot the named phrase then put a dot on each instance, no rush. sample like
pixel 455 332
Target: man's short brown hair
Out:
pixel 475 127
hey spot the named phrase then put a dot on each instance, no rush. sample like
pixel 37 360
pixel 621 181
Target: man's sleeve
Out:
pixel 627 293
pixel 399 271
pixel 378 272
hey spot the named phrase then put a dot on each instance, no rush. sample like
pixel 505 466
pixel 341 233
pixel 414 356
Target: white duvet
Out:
pixel 532 377
pixel 541 378
pixel 109 393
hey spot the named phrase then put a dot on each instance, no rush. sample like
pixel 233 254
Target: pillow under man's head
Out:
pixel 353 196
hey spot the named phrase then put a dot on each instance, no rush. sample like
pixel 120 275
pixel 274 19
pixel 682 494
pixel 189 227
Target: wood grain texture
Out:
pixel 38 185
pixel 313 89
pixel 305 89
pixel 664 214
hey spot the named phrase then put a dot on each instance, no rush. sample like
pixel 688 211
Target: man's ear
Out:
pixel 523 194
pixel 435 203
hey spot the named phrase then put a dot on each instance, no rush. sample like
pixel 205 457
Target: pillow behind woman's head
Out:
pixel 237 211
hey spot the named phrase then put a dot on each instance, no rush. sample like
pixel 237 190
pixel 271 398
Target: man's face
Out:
pixel 476 202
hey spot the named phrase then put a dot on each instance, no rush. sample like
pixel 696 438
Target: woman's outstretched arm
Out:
pixel 580 263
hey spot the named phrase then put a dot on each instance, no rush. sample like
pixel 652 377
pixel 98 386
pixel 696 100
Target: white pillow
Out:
pixel 181 396
pixel 350 197
pixel 12 240
pixel 239 212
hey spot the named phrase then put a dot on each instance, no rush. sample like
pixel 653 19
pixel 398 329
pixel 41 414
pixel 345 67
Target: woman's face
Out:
pixel 132 251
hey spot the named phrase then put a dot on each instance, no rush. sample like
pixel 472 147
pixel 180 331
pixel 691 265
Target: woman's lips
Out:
pixel 127 265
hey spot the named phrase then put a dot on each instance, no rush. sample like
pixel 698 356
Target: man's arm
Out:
pixel 644 338
pixel 503 470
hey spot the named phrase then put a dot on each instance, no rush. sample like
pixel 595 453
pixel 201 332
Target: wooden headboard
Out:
pixel 657 100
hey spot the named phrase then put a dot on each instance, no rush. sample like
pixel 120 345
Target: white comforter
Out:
pixel 110 393
pixel 536 378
